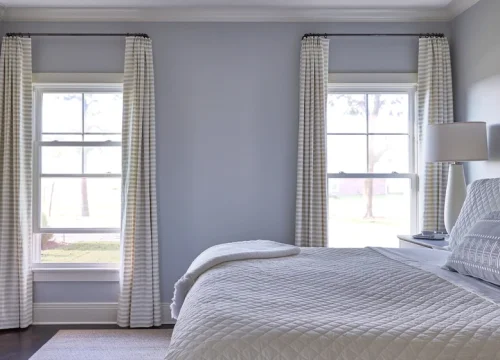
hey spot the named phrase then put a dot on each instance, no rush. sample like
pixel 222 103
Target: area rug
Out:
pixel 140 344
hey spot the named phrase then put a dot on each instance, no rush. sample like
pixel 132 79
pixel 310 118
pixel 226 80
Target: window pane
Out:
pixel 346 113
pixel 346 153
pixel 62 113
pixel 103 113
pixel 103 160
pixel 61 160
pixel 388 153
pixel 80 248
pixel 388 113
pixel 65 137
pixel 368 212
pixel 80 202
pixel 92 137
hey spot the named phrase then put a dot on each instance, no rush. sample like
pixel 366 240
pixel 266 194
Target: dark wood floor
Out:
pixel 22 344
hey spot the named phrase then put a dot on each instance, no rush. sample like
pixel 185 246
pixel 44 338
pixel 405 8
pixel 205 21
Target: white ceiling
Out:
pixel 357 4
pixel 234 10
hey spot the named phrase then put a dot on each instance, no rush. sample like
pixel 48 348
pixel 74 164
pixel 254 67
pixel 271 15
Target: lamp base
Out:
pixel 455 195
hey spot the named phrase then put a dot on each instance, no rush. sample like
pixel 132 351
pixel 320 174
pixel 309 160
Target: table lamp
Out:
pixel 455 143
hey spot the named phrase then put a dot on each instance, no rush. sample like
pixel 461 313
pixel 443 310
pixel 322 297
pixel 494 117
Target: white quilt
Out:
pixel 218 254
pixel 335 304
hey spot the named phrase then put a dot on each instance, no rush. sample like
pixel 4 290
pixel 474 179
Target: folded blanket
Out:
pixel 242 250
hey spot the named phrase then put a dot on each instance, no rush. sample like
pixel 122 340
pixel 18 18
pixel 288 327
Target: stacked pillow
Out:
pixel 477 254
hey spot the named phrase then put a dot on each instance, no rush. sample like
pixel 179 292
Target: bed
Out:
pixel 343 304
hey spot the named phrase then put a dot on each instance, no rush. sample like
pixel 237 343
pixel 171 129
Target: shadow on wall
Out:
pixel 482 105
pixel 494 142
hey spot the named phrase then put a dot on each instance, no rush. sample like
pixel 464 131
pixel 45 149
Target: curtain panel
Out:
pixel 15 183
pixel 139 300
pixel 435 106
pixel 311 202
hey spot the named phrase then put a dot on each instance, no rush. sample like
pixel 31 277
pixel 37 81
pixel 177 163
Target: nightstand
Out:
pixel 407 241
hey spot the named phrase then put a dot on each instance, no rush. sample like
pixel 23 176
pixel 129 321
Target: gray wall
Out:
pixel 476 66
pixel 227 115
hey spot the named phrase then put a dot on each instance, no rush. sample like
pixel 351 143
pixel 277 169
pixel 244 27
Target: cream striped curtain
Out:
pixel 15 183
pixel 435 106
pixel 139 301
pixel 311 203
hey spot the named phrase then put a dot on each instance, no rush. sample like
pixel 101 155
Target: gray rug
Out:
pixel 147 344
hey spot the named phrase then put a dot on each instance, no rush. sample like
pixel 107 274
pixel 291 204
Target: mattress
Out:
pixel 341 304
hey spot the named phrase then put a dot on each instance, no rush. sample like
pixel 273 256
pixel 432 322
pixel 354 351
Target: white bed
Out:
pixel 342 304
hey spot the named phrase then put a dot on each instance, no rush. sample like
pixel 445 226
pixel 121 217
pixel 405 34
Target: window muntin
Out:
pixel 77 193
pixel 371 165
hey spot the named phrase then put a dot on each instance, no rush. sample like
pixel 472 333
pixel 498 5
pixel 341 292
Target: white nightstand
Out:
pixel 407 241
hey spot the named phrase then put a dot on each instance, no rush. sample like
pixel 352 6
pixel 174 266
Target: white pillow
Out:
pixel 479 254
pixel 483 197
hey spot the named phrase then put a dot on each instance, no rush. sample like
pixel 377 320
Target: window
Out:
pixel 77 174
pixel 372 181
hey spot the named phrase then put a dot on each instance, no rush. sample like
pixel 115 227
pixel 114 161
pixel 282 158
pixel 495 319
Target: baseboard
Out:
pixel 83 313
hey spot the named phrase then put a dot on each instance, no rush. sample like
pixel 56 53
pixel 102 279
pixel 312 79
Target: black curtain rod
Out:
pixel 427 35
pixel 75 34
pixel 147 36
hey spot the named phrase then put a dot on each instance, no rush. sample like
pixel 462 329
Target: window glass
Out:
pixel 368 212
pixel 388 153
pixel 62 113
pixel 346 113
pixel 370 174
pixel 78 192
pixel 61 160
pixel 102 160
pixel 346 153
pixel 80 248
pixel 61 137
pixel 388 113
pixel 103 113
pixel 81 203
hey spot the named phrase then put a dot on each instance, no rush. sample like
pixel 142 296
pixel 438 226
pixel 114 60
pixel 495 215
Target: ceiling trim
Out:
pixel 224 14
pixel 232 14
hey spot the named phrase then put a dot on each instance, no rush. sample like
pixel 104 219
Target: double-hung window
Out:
pixel 77 174
pixel 371 152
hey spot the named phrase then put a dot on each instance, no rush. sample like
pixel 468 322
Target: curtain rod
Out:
pixel 147 36
pixel 428 35
pixel 76 34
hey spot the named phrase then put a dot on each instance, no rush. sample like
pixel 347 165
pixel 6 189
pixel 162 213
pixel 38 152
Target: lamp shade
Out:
pixel 465 141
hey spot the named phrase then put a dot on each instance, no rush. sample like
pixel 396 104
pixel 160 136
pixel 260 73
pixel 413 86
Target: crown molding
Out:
pixel 234 14
pixel 225 14
pixel 457 7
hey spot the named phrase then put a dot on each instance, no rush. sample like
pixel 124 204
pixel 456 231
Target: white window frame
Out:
pixel 61 83
pixel 384 83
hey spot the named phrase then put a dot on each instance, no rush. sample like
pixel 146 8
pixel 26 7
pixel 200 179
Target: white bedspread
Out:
pixel 218 254
pixel 335 304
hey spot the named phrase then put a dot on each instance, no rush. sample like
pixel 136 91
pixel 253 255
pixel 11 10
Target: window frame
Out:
pixel 64 84
pixel 405 83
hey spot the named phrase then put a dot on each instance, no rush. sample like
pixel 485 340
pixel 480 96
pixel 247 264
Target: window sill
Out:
pixel 76 274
